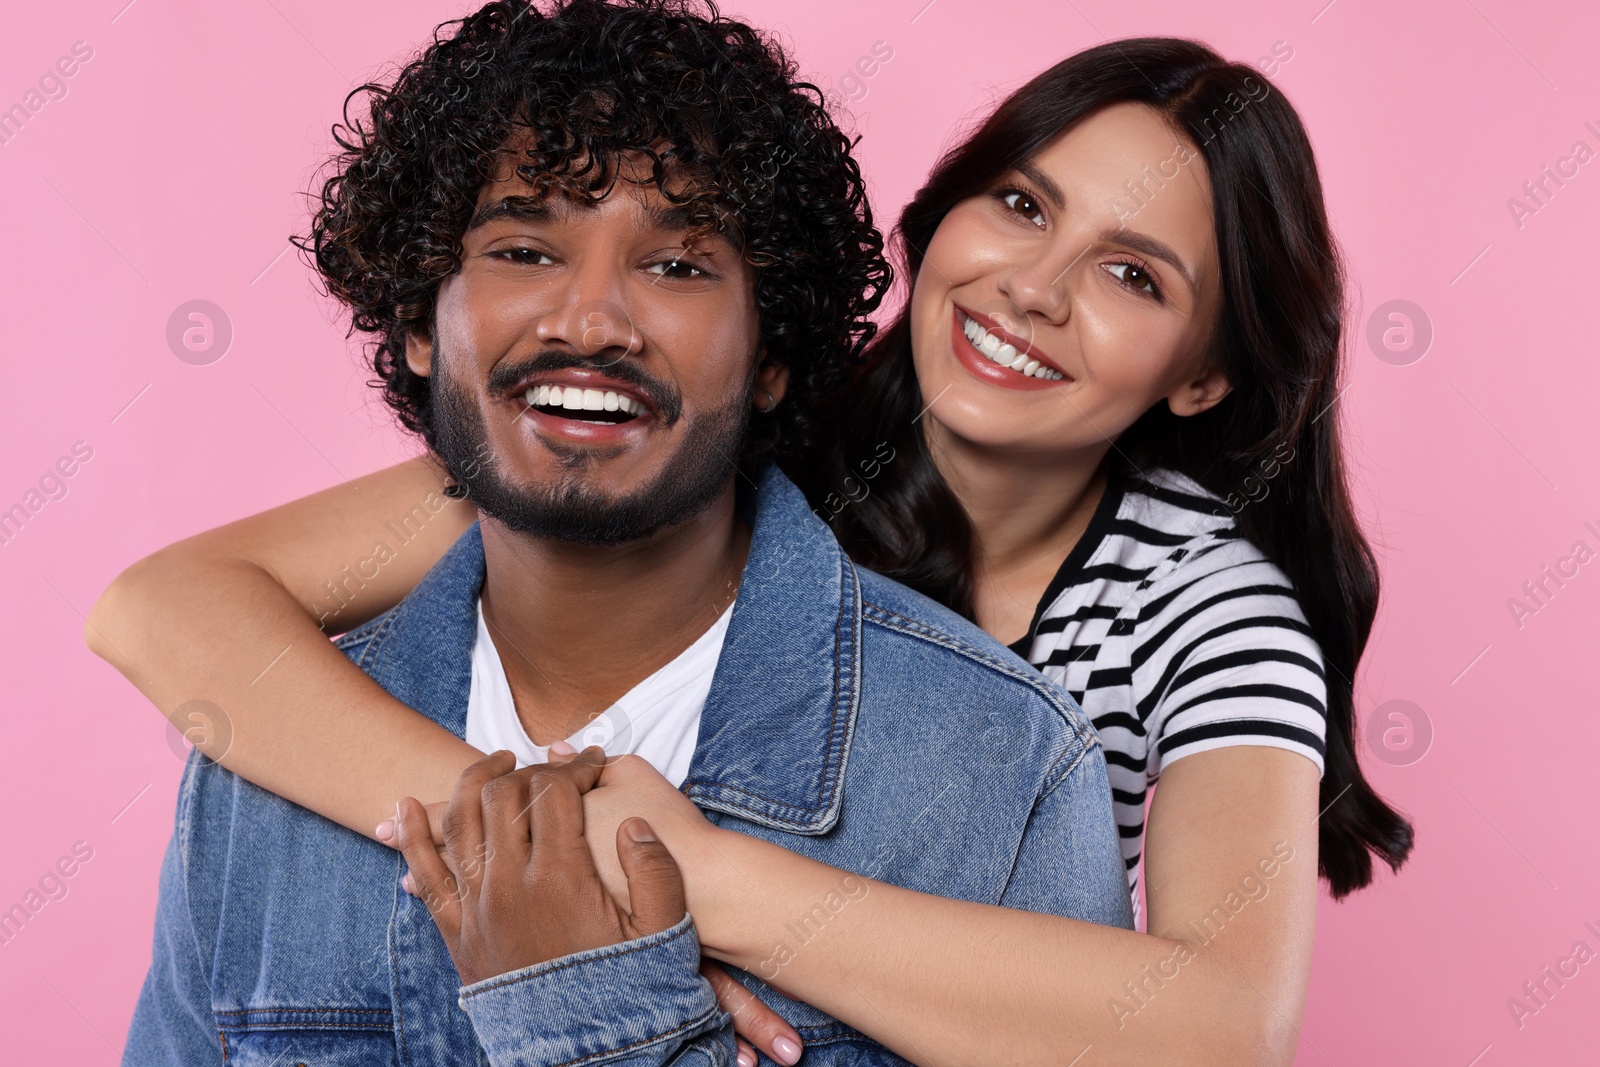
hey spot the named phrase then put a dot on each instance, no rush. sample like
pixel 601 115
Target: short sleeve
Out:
pixel 1224 656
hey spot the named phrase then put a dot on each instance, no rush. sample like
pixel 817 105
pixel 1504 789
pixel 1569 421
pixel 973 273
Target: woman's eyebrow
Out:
pixel 1143 242
pixel 1047 186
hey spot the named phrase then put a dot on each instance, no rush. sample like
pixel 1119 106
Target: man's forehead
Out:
pixel 519 201
pixel 634 163
pixel 626 176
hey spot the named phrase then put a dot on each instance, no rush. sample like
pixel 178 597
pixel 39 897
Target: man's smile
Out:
pixel 591 405
pixel 587 406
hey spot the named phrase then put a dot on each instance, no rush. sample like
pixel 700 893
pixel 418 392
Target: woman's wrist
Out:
pixel 722 883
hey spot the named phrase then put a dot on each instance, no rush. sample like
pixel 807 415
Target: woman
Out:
pixel 1102 427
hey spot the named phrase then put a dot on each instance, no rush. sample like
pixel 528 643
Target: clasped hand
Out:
pixel 511 880
pixel 515 885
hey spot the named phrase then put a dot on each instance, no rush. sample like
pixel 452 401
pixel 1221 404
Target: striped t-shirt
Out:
pixel 1176 636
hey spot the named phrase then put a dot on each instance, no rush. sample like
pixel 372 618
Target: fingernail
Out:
pixel 747 1057
pixel 405 881
pixel 561 748
pixel 385 830
pixel 640 831
pixel 785 1051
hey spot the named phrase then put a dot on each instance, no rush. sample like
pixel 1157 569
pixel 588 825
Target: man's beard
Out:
pixel 568 509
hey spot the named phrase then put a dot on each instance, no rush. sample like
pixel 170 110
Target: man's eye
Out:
pixel 526 256
pixel 676 268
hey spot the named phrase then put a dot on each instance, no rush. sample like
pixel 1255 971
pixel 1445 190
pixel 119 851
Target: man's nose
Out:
pixel 592 315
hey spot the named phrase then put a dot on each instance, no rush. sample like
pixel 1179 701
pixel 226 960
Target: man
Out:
pixel 607 342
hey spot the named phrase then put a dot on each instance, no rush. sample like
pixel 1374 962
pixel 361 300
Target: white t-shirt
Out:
pixel 658 719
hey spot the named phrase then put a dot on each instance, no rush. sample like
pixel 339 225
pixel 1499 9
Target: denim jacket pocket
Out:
pixel 307 1037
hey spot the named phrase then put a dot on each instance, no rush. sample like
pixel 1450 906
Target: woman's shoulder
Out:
pixel 1219 645
pixel 1203 532
pixel 1158 521
pixel 1173 503
pixel 1144 523
pixel 1174 565
pixel 1164 546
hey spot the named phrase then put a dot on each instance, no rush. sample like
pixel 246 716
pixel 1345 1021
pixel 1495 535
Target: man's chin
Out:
pixel 576 510
pixel 589 494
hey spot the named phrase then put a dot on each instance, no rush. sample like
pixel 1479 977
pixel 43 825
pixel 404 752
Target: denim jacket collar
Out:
pixel 775 733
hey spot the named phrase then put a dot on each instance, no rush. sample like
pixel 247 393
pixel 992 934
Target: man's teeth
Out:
pixel 997 351
pixel 575 399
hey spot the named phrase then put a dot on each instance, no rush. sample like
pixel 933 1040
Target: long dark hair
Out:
pixel 1277 341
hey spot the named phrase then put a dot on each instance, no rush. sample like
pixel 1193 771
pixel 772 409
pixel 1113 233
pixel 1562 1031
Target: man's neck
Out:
pixel 577 626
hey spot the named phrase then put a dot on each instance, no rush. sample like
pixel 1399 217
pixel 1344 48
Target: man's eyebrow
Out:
pixel 520 208
pixel 673 218
pixel 676 218
pixel 1143 242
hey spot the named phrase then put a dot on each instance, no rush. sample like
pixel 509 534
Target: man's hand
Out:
pixel 630 786
pixel 515 884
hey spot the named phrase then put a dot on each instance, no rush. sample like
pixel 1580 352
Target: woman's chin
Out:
pixel 987 432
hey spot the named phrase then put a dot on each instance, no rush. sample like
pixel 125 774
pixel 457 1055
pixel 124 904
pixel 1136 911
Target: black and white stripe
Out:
pixel 1176 636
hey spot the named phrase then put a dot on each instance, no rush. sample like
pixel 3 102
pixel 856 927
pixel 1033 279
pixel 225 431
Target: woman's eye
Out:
pixel 676 268
pixel 1134 277
pixel 525 256
pixel 1023 205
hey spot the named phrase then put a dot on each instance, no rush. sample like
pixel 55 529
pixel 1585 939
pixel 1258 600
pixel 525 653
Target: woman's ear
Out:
pixel 1201 393
pixel 419 352
pixel 772 381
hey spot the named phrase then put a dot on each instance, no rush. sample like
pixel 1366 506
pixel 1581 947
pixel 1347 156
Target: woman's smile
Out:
pixel 1007 359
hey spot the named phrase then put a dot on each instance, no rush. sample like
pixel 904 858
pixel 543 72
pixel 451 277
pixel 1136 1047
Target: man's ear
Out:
pixel 1200 393
pixel 419 352
pixel 772 379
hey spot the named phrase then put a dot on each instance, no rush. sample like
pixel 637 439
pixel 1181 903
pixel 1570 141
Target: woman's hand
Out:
pixel 629 786
pixel 754 1022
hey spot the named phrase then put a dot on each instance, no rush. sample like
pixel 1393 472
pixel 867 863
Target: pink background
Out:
pixel 170 170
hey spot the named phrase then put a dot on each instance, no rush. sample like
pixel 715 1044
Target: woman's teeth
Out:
pixel 997 351
pixel 573 398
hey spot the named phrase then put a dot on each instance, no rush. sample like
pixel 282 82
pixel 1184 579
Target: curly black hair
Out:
pixel 734 135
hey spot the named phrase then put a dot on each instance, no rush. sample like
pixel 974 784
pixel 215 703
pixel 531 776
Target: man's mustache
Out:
pixel 666 399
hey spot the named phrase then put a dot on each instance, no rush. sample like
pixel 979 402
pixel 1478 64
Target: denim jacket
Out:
pixel 849 720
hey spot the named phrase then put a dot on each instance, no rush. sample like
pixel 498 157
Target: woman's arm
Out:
pixel 232 617
pixel 1231 883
